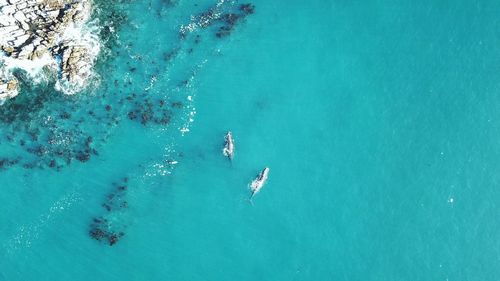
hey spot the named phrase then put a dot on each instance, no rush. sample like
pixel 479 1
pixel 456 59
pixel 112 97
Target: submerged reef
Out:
pixel 51 34
pixel 106 228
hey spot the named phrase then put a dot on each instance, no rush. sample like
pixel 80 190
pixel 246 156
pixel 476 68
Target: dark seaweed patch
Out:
pixel 147 111
pixel 247 8
pixel 167 56
pixel 101 230
pixel 6 162
pixel 114 202
pixel 177 104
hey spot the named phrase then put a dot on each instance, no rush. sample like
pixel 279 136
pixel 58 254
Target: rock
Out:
pixel 8 87
pixel 76 63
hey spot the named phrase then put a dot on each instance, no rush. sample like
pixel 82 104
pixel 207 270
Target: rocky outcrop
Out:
pixel 32 29
pixel 8 88
pixel 75 63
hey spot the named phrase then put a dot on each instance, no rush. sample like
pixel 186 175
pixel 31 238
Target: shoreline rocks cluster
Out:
pixel 44 33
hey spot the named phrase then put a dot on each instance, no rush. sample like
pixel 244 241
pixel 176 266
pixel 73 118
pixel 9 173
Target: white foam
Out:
pixel 34 68
pixel 165 166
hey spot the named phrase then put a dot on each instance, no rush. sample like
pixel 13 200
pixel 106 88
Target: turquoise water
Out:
pixel 378 121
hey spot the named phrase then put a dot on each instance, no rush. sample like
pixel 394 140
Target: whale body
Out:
pixel 259 181
pixel 228 149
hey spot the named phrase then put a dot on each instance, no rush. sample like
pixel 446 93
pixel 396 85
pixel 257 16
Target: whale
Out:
pixel 259 182
pixel 228 149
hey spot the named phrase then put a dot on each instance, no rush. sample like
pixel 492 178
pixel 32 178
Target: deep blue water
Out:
pixel 377 119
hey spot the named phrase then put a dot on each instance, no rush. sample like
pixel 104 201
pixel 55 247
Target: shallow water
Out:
pixel 377 120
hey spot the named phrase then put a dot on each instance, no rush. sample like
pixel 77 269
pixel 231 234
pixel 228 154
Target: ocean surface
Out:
pixel 378 121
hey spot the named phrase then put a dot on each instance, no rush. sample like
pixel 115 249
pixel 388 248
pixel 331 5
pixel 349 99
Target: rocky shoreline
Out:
pixel 47 33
